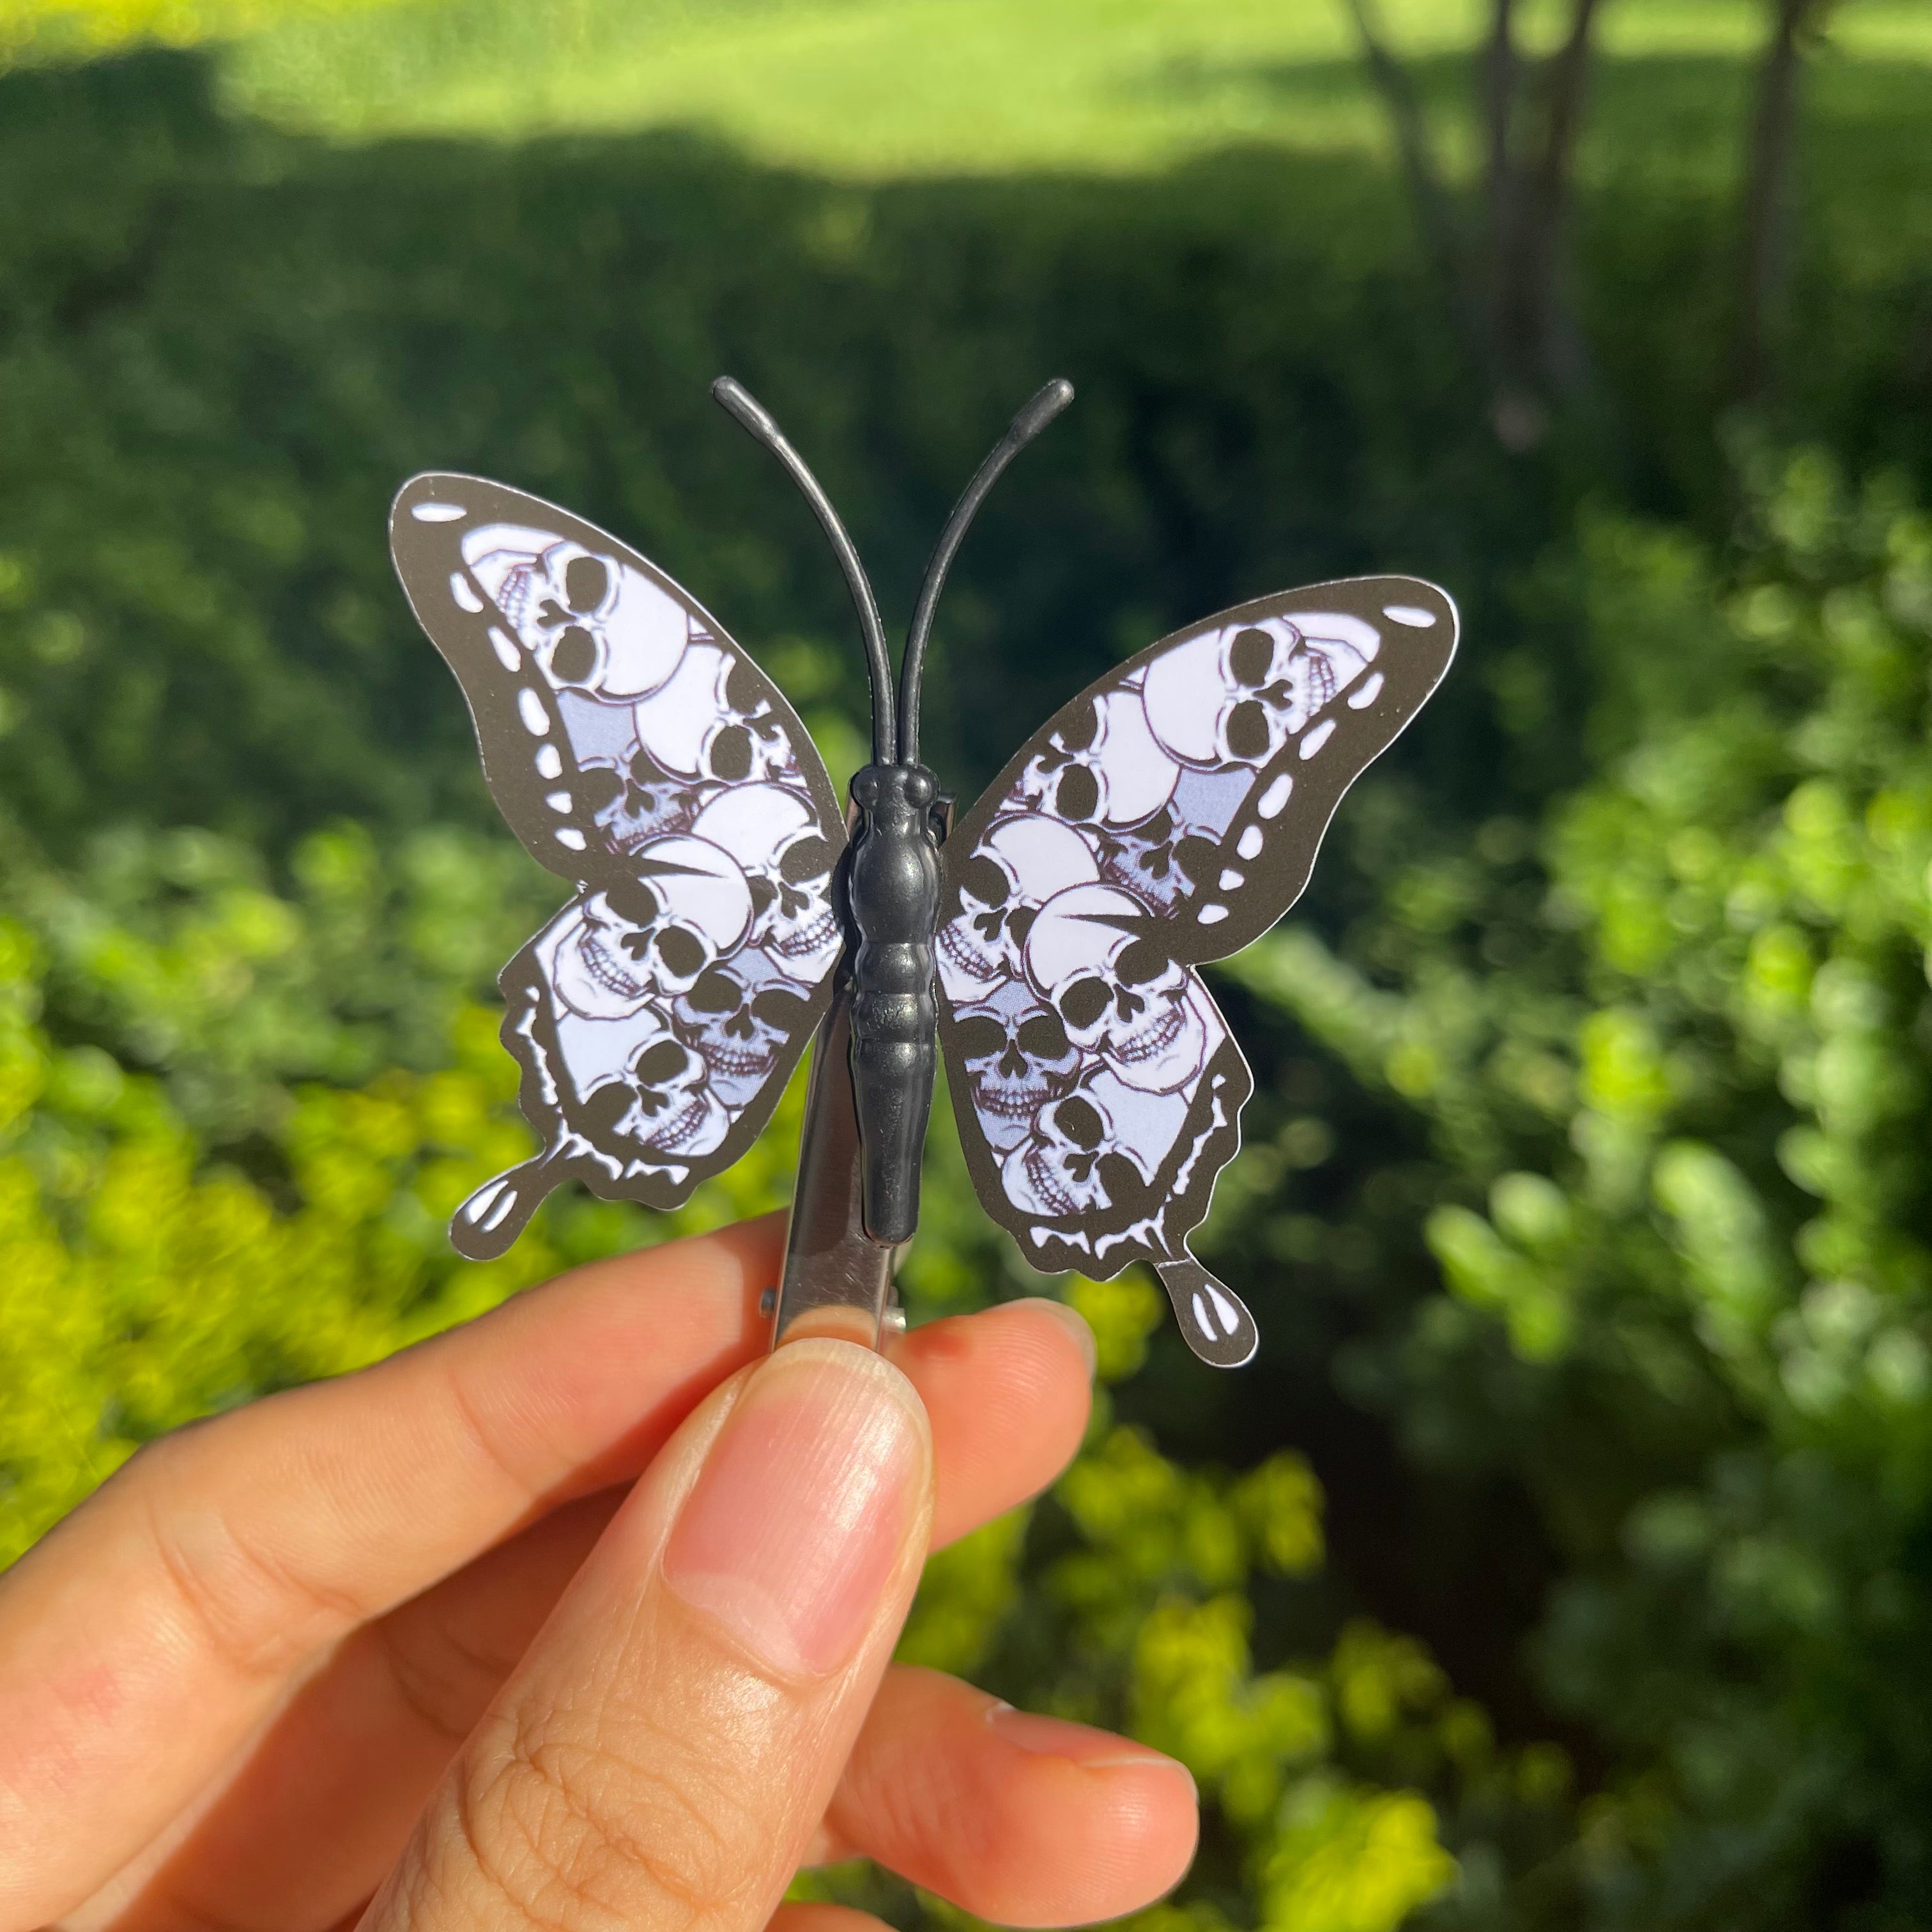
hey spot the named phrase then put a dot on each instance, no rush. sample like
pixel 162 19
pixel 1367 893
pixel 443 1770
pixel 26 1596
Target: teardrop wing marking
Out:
pixel 1168 816
pixel 613 712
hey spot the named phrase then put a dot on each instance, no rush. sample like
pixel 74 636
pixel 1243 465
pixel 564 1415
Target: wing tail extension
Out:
pixel 485 1226
pixel 1212 1317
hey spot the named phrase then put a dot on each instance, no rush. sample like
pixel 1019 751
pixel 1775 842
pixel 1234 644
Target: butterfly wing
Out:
pixel 637 752
pixel 1167 817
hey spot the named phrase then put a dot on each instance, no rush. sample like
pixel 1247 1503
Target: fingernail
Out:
pixel 796 1520
pixel 1079 1744
pixel 1074 1323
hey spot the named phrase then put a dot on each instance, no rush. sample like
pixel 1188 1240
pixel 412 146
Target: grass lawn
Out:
pixel 899 88
pixel 875 92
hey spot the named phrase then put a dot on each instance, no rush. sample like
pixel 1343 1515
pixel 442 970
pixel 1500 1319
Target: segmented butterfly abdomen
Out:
pixel 892 888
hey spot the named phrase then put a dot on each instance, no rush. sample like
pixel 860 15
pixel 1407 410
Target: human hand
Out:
pixel 578 1616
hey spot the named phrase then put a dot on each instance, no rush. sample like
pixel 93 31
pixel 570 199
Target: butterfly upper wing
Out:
pixel 1168 816
pixel 636 750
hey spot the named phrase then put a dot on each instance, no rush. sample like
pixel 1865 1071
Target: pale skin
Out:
pixel 578 1618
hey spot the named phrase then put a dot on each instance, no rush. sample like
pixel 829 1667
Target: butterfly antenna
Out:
pixel 1028 425
pixel 739 400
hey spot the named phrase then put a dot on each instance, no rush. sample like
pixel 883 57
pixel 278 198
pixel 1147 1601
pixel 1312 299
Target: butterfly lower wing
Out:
pixel 1167 817
pixel 1092 1161
pixel 636 750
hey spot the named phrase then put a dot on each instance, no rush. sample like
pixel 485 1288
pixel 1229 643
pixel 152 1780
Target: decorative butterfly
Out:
pixel 726 910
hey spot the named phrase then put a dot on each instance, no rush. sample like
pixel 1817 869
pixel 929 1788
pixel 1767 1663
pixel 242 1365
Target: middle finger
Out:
pixel 1020 1820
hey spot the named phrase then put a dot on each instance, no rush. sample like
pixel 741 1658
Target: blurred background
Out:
pixel 1565 1560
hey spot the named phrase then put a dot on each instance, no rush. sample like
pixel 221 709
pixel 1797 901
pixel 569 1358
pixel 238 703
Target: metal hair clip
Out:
pixel 726 910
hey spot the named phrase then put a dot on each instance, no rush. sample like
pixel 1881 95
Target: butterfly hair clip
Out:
pixel 726 910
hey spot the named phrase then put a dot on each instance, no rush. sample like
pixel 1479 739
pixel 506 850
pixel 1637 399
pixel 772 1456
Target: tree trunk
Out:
pixel 1508 295
pixel 1538 338
pixel 1767 225
pixel 1435 213
pixel 1500 74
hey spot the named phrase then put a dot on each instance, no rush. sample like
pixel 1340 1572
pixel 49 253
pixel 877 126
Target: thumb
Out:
pixel 669 1743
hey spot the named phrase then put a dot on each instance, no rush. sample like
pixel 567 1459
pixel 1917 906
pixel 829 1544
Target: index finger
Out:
pixel 191 1567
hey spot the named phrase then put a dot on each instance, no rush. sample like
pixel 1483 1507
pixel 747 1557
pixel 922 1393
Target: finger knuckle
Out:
pixel 255 1612
pixel 570 1835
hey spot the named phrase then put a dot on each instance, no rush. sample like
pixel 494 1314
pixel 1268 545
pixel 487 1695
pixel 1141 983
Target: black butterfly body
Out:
pixel 892 889
pixel 1048 942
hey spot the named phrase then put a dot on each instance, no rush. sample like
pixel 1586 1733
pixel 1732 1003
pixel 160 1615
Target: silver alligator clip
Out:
pixel 837 1281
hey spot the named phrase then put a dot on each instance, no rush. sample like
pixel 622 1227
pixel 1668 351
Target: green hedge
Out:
pixel 1561 1561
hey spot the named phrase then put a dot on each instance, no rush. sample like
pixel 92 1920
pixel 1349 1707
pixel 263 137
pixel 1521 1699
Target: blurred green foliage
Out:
pixel 1562 1560
pixel 1682 1086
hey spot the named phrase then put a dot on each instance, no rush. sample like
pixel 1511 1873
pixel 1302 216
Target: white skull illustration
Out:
pixel 737 1018
pixel 1236 695
pixel 626 1084
pixel 593 624
pixel 1104 767
pixel 1167 859
pixel 1016 868
pixel 661 1101
pixel 775 836
pixel 1074 1161
pixel 1018 1059
pixel 710 722
pixel 650 937
pixel 1118 994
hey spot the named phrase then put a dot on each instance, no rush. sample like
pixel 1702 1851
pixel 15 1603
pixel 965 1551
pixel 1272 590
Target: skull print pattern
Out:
pixel 1164 818
pixel 639 752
